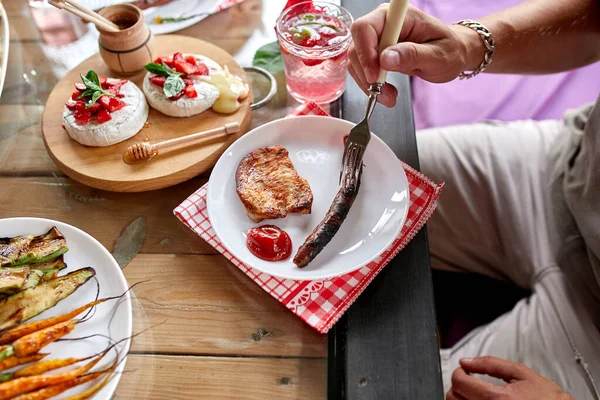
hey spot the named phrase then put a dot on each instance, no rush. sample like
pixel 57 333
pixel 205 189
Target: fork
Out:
pixel 360 135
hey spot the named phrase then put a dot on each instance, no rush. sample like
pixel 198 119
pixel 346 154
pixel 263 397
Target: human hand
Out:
pixel 426 48
pixel 522 382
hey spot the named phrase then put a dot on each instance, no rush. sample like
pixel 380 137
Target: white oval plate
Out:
pixel 111 318
pixel 315 145
pixel 175 8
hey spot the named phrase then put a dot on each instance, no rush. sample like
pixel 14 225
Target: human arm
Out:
pixel 537 36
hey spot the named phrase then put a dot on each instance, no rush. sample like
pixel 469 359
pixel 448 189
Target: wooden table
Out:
pixel 216 334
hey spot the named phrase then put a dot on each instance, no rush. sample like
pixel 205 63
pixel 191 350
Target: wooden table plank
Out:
pixel 105 215
pixel 386 346
pixel 183 378
pixel 209 306
pixel 22 150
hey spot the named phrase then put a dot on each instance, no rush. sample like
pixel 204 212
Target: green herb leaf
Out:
pixel 162 70
pixel 85 93
pixel 94 99
pixel 269 58
pixel 157 69
pixel 169 70
pixel 173 85
pixel 94 89
pixel 93 76
pixel 308 17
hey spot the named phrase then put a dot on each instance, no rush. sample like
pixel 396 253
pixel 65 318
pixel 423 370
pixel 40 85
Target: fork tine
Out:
pixel 343 164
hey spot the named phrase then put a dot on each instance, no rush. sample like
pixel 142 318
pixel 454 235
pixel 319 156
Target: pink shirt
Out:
pixel 495 96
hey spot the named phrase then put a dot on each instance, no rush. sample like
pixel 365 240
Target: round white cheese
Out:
pixel 184 106
pixel 124 124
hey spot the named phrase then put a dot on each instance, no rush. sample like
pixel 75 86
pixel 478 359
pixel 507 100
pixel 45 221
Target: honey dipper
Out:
pixel 145 151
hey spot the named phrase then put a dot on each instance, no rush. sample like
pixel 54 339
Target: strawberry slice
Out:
pixel 178 57
pixel 188 81
pixel 72 104
pixel 94 108
pixel 111 103
pixel 75 95
pixel 158 80
pixel 80 86
pixel 103 116
pixel 80 105
pixel 190 92
pixel 82 117
pixel 311 62
pixel 185 67
pixel 103 82
pixel 177 96
pixel 201 69
pixel 190 59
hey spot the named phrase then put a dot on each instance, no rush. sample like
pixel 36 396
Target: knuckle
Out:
pixel 357 27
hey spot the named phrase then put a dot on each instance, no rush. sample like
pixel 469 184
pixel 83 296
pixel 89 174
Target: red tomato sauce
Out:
pixel 269 243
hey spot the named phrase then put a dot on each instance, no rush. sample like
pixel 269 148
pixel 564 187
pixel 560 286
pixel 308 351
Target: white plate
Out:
pixel 315 145
pixel 111 318
pixel 176 8
pixel 5 42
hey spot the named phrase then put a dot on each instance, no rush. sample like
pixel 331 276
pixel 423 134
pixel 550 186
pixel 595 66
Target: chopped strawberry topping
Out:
pixel 201 69
pixel 103 116
pixel 72 104
pixel 177 96
pixel 190 59
pixel 185 67
pixel 82 117
pixel 158 80
pixel 190 92
pixel 102 108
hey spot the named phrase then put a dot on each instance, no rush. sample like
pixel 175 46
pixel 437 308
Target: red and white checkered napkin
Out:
pixel 320 303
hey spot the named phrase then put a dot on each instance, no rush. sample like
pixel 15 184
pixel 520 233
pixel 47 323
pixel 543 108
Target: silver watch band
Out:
pixel 488 41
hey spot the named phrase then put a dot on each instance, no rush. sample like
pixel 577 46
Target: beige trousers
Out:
pixel 491 221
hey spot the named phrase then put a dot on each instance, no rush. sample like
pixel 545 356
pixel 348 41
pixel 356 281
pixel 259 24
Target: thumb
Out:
pixel 406 57
pixel 496 367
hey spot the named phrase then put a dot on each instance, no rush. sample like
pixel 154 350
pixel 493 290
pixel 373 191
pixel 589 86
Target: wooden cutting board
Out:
pixel 103 167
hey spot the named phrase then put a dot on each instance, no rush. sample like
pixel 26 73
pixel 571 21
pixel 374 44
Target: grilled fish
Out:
pixel 269 186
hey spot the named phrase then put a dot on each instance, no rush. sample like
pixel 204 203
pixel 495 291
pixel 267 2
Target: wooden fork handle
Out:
pixel 391 30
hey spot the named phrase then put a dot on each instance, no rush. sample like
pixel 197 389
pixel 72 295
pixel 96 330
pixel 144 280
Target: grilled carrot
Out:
pixel 50 391
pixel 14 360
pixel 32 343
pixel 92 391
pixel 19 386
pixel 30 327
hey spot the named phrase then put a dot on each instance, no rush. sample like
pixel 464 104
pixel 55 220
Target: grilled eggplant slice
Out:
pixel 31 302
pixel 28 249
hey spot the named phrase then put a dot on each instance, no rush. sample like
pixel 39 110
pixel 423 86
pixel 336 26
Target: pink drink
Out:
pixel 314 40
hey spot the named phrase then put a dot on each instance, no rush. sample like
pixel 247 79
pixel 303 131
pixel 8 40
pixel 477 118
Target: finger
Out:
pixel 353 56
pixel 388 95
pixel 496 367
pixel 408 58
pixel 471 387
pixel 356 78
pixel 365 34
pixel 388 92
pixel 451 395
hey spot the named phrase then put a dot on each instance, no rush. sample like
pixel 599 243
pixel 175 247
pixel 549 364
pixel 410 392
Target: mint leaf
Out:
pixel 169 70
pixel 93 76
pixel 269 58
pixel 156 69
pixel 173 85
pixel 85 93
pixel 94 99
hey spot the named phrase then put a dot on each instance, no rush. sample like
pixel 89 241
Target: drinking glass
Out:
pixel 315 72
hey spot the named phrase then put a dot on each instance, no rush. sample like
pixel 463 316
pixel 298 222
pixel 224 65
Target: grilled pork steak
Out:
pixel 269 186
